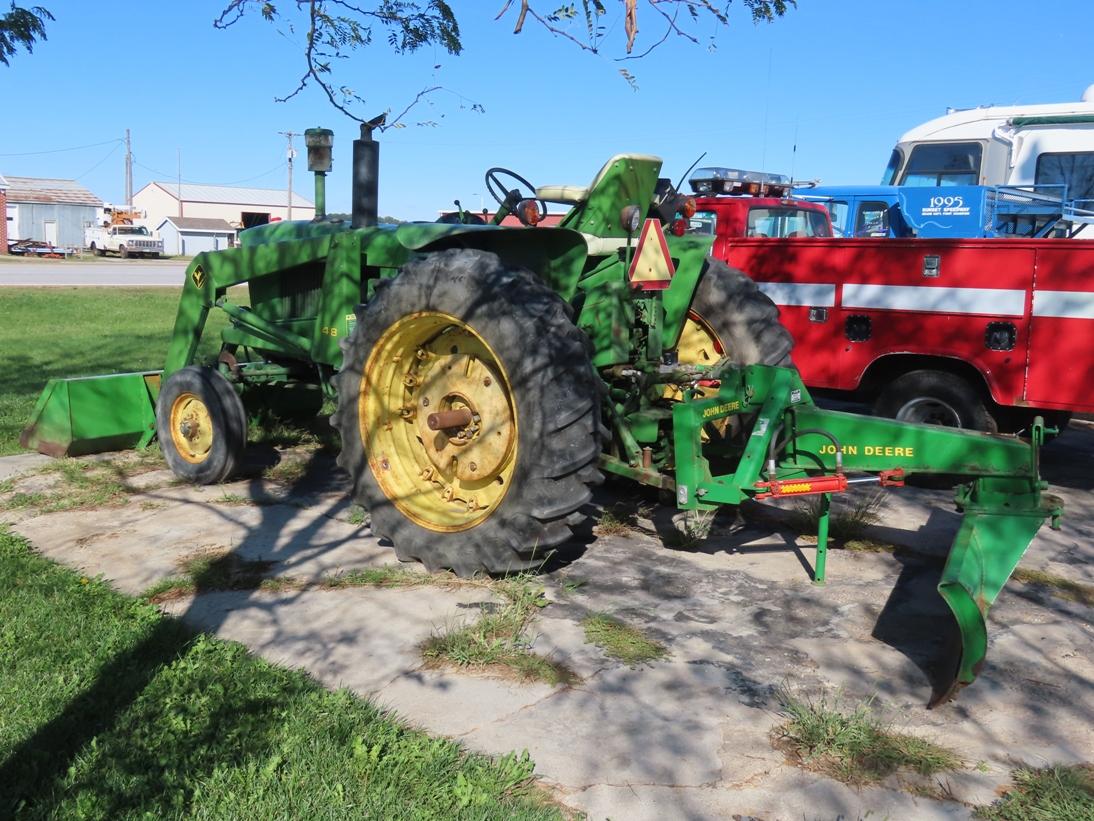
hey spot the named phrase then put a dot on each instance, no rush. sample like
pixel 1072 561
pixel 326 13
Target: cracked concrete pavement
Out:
pixel 686 737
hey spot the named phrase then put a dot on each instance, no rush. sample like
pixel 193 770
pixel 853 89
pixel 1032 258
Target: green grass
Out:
pixel 621 641
pixel 110 710
pixel 1057 585
pixel 497 642
pixel 849 518
pixel 853 745
pixel 1056 793
pixel 80 485
pixel 56 332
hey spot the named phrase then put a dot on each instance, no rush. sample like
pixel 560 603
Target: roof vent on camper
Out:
pixel 1088 95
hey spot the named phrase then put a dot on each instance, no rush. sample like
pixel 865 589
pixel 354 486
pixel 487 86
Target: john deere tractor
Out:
pixel 487 377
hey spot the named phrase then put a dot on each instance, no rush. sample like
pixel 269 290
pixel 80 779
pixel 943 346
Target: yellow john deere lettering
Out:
pixel 871 450
pixel 719 410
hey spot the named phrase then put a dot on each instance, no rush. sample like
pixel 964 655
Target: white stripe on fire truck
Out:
pixel 794 293
pixel 994 301
pixel 1064 304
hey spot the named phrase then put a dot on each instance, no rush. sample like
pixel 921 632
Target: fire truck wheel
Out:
pixel 935 398
pixel 469 415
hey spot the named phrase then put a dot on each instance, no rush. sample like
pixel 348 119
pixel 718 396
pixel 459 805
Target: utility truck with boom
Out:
pixel 486 378
pixel 118 233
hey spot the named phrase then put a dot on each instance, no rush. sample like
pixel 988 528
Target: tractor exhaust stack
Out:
pixel 366 177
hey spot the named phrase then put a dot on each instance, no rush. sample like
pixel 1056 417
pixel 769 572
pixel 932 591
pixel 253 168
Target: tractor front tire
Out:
pixel 201 425
pixel 730 316
pixel 469 415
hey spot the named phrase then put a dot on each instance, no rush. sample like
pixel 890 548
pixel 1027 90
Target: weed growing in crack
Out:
pixel 498 642
pixel 621 641
pixel 849 518
pixel 1056 792
pixel 1057 585
pixel 851 744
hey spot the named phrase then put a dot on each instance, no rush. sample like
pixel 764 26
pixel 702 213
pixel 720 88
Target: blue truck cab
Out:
pixel 950 211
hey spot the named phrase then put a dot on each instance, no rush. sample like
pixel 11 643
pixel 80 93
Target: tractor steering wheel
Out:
pixel 500 192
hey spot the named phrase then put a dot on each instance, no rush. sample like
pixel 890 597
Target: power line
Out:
pixel 60 150
pixel 173 177
pixel 109 154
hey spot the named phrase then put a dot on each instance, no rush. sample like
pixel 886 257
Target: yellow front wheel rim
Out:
pixel 450 479
pixel 191 428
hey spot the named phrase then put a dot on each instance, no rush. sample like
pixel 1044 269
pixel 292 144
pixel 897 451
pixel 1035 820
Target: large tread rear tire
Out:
pixel 744 319
pixel 552 391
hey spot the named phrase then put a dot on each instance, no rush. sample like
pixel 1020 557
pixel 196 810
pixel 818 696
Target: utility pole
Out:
pixel 291 154
pixel 128 172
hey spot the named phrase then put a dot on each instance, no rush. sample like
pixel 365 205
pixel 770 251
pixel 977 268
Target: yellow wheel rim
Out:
pixel 450 479
pixel 699 344
pixel 191 428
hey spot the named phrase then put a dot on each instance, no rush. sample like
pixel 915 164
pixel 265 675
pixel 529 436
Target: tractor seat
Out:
pixel 574 194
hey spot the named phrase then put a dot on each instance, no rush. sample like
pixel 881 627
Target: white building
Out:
pixel 239 207
pixel 187 236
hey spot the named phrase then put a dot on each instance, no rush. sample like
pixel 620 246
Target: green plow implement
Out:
pixel 801 449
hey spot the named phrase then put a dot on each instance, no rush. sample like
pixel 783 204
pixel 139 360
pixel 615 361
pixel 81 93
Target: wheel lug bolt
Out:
pixel 487 382
pixel 425 401
pixel 473 467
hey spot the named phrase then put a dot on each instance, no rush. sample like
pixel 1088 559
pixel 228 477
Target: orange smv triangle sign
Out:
pixel 652 268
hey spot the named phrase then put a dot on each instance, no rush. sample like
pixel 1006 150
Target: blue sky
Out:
pixel 840 78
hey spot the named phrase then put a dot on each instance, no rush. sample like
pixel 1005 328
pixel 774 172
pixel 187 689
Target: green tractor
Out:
pixel 486 378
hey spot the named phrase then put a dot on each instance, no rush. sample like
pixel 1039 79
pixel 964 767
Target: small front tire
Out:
pixel 201 425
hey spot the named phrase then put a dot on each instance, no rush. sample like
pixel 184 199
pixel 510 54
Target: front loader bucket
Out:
pixel 985 552
pixel 91 414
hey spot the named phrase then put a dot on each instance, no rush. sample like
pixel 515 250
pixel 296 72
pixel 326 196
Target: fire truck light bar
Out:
pixel 719 180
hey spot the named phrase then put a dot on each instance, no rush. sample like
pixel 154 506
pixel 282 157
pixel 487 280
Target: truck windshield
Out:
pixel 703 222
pixel 139 230
pixel 943 164
pixel 786 222
pixel 893 168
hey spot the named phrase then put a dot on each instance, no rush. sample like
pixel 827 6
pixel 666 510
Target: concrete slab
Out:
pixel 685 737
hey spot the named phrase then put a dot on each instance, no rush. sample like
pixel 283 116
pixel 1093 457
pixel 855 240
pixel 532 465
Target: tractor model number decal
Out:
pixel 870 450
pixel 328 331
pixel 721 410
pixel 198 277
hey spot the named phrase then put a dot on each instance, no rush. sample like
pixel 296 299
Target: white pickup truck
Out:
pixel 125 240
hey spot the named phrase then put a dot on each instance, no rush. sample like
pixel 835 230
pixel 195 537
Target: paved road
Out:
pixel 113 272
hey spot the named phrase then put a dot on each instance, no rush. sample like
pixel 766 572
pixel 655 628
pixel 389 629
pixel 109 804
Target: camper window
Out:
pixel 1074 170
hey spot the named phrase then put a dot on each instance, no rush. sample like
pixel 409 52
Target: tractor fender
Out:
pixel 556 255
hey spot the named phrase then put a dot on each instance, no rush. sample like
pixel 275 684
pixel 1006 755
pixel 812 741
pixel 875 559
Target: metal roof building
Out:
pixel 239 207
pixel 193 235
pixel 49 210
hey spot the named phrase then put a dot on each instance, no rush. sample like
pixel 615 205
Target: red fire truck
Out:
pixel 975 333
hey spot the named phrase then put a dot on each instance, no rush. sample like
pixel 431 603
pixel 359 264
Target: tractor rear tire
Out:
pixel 458 331
pixel 739 319
pixel 201 425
